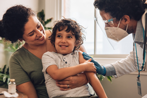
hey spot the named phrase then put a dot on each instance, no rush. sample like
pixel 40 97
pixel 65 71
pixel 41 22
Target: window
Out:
pixel 96 42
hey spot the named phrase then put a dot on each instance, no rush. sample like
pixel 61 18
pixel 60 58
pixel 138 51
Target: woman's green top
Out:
pixel 24 67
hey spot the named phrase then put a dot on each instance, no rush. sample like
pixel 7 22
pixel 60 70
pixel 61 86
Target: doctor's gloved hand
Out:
pixel 99 69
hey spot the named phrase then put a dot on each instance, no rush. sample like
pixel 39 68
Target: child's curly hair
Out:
pixel 72 26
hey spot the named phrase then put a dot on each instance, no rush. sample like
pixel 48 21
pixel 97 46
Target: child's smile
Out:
pixel 63 46
pixel 64 42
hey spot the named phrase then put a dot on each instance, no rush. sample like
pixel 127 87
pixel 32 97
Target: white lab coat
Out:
pixel 129 64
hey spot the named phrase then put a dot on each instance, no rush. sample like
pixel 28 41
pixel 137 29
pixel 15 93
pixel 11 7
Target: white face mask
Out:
pixel 116 33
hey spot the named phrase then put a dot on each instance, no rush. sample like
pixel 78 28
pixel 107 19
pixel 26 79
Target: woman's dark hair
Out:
pixel 70 25
pixel 1 30
pixel 13 22
pixel 119 8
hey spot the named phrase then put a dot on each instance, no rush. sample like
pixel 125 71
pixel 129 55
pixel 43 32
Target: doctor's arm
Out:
pixel 107 70
pixel 118 68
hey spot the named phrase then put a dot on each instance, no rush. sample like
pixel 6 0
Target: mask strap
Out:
pixel 119 23
pixel 127 27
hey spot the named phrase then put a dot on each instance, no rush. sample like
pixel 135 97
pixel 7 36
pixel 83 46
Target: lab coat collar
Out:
pixel 138 36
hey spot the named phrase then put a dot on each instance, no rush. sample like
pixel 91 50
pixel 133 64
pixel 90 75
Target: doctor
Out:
pixel 123 17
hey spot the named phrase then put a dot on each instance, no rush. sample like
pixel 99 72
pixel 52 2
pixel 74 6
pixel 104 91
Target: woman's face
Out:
pixel 34 33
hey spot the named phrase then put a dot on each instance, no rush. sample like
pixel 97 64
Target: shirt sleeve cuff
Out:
pixel 110 70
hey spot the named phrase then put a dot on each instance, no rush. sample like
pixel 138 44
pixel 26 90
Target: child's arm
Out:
pixel 93 80
pixel 95 83
pixel 59 74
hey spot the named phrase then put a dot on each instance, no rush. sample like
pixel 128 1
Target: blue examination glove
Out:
pixel 99 69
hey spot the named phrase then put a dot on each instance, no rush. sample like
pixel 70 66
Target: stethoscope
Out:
pixel 144 56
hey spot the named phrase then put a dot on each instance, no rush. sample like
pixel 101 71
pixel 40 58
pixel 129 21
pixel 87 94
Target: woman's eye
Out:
pixel 38 26
pixel 31 34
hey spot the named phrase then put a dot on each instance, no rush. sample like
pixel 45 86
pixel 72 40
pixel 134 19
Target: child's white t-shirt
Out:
pixel 72 59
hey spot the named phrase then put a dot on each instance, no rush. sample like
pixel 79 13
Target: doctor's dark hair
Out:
pixel 69 25
pixel 13 22
pixel 118 8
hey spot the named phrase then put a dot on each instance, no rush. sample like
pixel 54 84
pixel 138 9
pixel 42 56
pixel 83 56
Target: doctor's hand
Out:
pixel 99 69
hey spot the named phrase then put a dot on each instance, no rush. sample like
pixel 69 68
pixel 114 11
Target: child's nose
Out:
pixel 63 39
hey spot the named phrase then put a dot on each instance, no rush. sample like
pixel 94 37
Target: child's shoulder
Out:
pixel 81 59
pixel 80 52
pixel 49 54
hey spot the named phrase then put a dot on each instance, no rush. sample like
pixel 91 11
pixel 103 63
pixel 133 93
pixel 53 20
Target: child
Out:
pixel 68 61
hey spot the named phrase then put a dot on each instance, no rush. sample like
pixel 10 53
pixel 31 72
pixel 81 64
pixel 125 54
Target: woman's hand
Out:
pixel 72 82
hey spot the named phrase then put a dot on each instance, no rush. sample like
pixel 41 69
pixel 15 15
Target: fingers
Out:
pixel 63 87
pixel 63 82
pixel 89 60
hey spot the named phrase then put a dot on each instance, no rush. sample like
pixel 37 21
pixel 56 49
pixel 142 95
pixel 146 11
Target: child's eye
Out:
pixel 69 36
pixel 58 35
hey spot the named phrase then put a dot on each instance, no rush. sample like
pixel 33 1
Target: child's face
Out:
pixel 64 42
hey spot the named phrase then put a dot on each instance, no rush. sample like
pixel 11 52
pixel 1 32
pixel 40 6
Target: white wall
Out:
pixel 53 9
pixel 4 5
pixel 125 86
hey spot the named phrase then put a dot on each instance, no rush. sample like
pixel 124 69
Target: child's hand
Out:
pixel 89 66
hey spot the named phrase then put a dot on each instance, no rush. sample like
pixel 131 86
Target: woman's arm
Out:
pixel 27 89
pixel 72 81
pixel 21 78
pixel 59 74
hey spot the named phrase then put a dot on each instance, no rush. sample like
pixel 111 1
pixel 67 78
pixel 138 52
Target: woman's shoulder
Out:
pixel 48 33
pixel 50 46
pixel 17 54
pixel 19 51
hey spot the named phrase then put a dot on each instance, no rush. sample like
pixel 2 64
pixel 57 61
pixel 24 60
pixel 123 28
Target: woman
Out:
pixel 20 23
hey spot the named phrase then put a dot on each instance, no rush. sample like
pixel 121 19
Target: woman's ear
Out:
pixel 126 19
pixel 20 39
